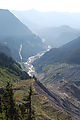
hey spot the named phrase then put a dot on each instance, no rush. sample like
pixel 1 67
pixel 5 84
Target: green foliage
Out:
pixel 7 104
pixel 6 76
pixel 33 106
pixel 9 110
pixel 12 66
pixel 26 108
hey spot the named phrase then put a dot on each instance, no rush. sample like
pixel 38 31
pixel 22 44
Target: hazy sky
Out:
pixel 42 5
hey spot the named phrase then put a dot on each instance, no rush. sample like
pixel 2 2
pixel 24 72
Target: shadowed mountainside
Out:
pixel 14 34
pixel 69 53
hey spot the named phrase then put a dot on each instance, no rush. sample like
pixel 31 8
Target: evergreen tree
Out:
pixel 9 103
pixel 28 111
pixel 10 111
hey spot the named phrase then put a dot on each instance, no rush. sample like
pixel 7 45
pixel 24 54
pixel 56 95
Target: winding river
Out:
pixel 28 64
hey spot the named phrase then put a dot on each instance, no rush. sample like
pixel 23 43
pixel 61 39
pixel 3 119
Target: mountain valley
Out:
pixel 14 33
pixel 39 67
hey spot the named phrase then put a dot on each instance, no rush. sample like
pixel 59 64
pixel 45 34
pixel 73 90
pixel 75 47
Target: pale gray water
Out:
pixel 28 64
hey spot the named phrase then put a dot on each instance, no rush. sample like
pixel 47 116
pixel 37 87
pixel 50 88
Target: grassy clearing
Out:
pixel 5 76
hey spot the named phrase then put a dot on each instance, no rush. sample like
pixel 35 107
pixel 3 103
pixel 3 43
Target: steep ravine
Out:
pixel 20 49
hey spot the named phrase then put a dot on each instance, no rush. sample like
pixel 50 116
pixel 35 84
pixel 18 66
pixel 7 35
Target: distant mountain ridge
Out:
pixel 55 28
pixel 14 33
pixel 58 36
pixel 69 53
pixel 48 19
